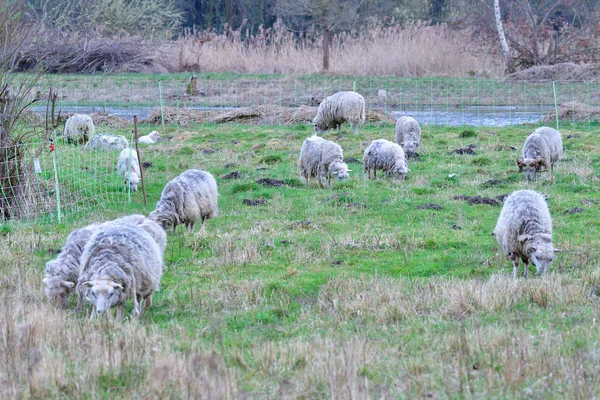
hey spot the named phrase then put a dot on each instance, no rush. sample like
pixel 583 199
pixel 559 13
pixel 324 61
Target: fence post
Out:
pixel 137 149
pixel 56 185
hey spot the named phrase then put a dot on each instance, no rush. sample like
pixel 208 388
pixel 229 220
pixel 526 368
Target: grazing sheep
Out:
pixel 187 198
pixel 408 135
pixel 524 231
pixel 120 261
pixel 107 142
pixel 150 138
pixel 60 276
pixel 339 108
pixel 387 156
pixel 322 158
pixel 79 128
pixel 542 148
pixel 150 226
pixel 128 168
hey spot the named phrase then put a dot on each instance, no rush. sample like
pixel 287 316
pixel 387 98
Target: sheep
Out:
pixel 524 231
pixel 339 108
pixel 61 274
pixel 128 168
pixel 408 135
pixel 150 138
pixel 107 142
pixel 151 227
pixel 185 199
pixel 79 128
pixel 322 158
pixel 120 261
pixel 385 155
pixel 542 148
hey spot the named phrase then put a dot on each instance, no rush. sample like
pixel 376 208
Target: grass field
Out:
pixel 370 289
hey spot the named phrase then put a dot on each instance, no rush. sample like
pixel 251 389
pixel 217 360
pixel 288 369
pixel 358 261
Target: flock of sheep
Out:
pixel 108 263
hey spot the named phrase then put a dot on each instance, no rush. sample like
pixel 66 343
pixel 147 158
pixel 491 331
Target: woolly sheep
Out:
pixel 128 168
pixel 387 156
pixel 187 198
pixel 542 148
pixel 61 273
pixel 408 135
pixel 150 138
pixel 339 108
pixel 79 128
pixel 151 227
pixel 107 142
pixel 524 231
pixel 321 158
pixel 119 262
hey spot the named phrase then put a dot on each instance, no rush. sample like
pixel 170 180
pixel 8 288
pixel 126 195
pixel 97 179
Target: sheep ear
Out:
pixel 88 284
pixel 67 284
pixel 116 285
pixel 523 238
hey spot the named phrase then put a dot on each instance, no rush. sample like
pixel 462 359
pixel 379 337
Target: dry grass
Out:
pixel 415 50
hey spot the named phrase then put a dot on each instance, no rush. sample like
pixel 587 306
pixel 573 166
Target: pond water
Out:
pixel 469 115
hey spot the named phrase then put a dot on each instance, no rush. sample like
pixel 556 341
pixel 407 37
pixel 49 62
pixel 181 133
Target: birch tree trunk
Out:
pixel 508 61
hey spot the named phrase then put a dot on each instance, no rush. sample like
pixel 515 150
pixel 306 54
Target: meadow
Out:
pixel 370 289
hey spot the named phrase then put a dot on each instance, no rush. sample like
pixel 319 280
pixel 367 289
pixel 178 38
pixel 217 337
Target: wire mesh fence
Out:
pixel 71 180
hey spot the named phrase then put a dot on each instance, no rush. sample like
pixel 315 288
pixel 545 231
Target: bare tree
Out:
pixel 508 61
pixel 328 15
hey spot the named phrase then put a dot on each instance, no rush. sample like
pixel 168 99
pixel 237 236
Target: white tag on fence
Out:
pixel 36 165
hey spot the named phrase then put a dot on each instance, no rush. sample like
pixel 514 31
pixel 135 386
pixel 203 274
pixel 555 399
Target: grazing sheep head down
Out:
pixel 165 218
pixel 58 290
pixel 103 294
pixel 340 170
pixel 531 167
pixel 154 135
pixel 399 170
pixel 132 180
pixel 540 250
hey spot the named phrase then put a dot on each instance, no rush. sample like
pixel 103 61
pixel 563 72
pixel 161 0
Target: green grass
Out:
pixel 351 289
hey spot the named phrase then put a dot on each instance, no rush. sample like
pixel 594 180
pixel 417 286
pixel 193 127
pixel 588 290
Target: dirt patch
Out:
pixel 430 206
pixel 493 182
pixel 209 150
pixel 502 197
pixel 590 202
pixel 147 164
pixel 573 136
pixel 575 210
pixel 232 175
pixel 256 202
pixel 574 111
pixel 470 149
pixel 477 200
pixel 560 72
pixel 230 165
pixel 456 227
pixel 268 182
pixel 352 160
pixel 254 115
pixel 303 224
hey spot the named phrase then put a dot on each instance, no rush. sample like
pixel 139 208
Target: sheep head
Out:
pixel 103 294
pixel 165 218
pixel 339 169
pixel 154 135
pixel 539 249
pixel 58 290
pixel 133 179
pixel 399 170
pixel 531 166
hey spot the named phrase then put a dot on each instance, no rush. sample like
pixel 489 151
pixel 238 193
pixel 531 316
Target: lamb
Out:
pixel 339 108
pixel 524 231
pixel 542 148
pixel 187 198
pixel 322 158
pixel 128 168
pixel 120 261
pixel 408 135
pixel 387 156
pixel 150 138
pixel 107 142
pixel 61 274
pixel 79 128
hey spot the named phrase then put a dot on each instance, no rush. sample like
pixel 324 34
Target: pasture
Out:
pixel 370 289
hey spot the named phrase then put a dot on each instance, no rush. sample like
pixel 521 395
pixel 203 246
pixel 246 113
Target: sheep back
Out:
pixel 321 158
pixel 338 108
pixel 408 134
pixel 107 142
pixel 79 128
pixel 128 168
pixel 387 156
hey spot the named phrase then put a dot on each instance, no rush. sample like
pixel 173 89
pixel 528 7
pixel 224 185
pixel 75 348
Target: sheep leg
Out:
pixel 515 260
pixel 148 301
pixel 375 173
pixel 355 129
pixel 340 130
pixel 525 269
pixel 79 301
pixel 93 312
pixel 319 176
pixel 120 312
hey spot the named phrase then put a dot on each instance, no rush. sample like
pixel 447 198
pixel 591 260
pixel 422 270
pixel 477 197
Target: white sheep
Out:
pixel 322 158
pixel 128 168
pixel 408 135
pixel 150 138
pixel 187 198
pixel 61 273
pixel 79 128
pixel 119 262
pixel 151 227
pixel 542 149
pixel 339 108
pixel 524 231
pixel 107 142
pixel 387 156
